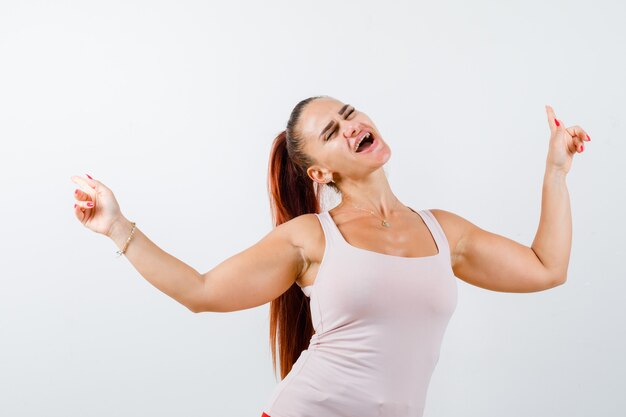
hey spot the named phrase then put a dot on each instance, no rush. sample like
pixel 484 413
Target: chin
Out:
pixel 386 151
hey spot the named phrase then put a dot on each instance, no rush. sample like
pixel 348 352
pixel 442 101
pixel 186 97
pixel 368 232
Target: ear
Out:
pixel 319 175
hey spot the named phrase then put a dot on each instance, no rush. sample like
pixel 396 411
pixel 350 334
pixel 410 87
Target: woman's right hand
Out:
pixel 104 212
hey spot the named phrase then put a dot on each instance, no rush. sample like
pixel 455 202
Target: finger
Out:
pixel 80 194
pixel 82 213
pixel 78 212
pixel 579 145
pixel 92 183
pixel 551 118
pixel 579 136
pixel 573 144
pixel 87 180
pixel 84 185
pixel 85 204
pixel 578 131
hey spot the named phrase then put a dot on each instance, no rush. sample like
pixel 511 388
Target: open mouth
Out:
pixel 365 143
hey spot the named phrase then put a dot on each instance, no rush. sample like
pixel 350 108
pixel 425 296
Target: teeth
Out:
pixel 365 136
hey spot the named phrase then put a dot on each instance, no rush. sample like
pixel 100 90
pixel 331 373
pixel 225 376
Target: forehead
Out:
pixel 317 114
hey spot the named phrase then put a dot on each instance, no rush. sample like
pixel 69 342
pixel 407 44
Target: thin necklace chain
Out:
pixel 385 223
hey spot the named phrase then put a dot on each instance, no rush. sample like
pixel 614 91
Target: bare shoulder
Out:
pixel 301 227
pixel 305 233
pixel 454 226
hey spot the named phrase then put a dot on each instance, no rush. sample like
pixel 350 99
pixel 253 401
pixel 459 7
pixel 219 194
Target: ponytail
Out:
pixel 292 193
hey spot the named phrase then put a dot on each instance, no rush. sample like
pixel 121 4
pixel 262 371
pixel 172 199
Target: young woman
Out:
pixel 360 295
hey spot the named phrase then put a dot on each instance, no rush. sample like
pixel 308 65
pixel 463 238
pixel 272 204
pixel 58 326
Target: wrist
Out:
pixel 555 172
pixel 119 230
pixel 554 177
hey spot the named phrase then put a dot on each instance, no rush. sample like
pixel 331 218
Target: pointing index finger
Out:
pixel 551 117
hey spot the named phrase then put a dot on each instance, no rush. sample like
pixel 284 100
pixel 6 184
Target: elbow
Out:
pixel 196 303
pixel 559 280
pixel 195 308
pixel 553 277
pixel 193 305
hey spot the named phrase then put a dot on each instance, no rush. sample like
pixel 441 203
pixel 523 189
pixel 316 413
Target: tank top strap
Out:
pixel 331 234
pixel 435 230
pixel 330 239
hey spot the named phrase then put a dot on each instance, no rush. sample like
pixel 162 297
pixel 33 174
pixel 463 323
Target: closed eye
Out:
pixel 348 114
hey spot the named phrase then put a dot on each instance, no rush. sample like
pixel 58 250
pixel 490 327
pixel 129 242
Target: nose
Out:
pixel 349 132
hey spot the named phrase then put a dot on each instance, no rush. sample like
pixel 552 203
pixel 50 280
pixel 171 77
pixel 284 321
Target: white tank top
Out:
pixel 379 322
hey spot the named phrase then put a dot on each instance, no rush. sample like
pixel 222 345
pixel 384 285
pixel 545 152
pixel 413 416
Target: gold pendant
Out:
pixel 386 224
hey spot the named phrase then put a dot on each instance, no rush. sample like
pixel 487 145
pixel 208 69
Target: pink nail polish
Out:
pixel 557 122
pixel 588 138
pixel 90 204
pixel 74 205
pixel 89 176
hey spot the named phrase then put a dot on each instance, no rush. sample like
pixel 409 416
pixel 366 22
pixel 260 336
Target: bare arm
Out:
pixel 553 241
pixel 491 261
pixel 494 262
pixel 257 275
pixel 497 263
pixel 167 273
pixel 248 279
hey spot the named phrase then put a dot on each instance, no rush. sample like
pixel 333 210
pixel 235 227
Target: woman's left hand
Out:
pixel 564 143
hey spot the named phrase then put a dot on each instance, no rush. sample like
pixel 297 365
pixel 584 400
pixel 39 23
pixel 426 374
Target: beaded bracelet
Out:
pixel 121 252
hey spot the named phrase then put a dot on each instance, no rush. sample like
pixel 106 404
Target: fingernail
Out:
pixel 75 192
pixel 88 176
pixel 557 122
pixel 74 205
pixel 90 204
pixel 582 148
pixel 588 138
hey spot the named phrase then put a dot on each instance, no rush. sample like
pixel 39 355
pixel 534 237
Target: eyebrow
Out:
pixel 330 124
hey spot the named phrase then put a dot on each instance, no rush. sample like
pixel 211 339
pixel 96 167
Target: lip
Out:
pixel 358 139
pixel 372 147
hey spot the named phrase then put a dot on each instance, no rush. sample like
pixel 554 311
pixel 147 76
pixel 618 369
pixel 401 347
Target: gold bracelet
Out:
pixel 121 252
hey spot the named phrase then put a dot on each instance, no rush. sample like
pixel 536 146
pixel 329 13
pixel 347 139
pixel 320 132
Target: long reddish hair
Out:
pixel 292 193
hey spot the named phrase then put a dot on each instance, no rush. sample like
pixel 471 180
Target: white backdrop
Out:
pixel 174 105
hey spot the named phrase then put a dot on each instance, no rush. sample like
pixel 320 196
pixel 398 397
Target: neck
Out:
pixel 370 193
